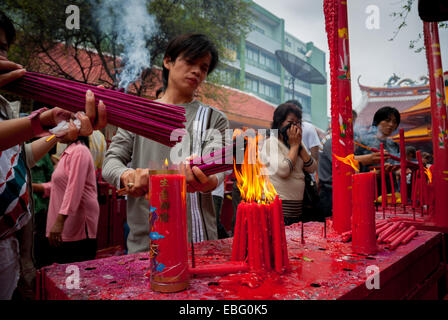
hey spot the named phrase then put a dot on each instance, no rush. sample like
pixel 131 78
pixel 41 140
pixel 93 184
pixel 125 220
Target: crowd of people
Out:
pixel 49 209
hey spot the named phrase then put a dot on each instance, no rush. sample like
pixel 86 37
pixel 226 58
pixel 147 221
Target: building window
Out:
pixel 252 54
pixel 251 85
pixel 268 90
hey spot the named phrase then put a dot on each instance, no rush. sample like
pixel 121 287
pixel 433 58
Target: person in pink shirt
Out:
pixel 73 211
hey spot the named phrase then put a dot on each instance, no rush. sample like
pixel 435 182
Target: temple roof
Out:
pixel 421 133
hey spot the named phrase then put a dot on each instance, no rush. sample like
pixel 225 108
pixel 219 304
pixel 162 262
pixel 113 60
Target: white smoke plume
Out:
pixel 133 25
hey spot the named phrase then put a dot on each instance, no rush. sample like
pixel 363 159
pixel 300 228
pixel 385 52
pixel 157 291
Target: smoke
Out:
pixel 132 26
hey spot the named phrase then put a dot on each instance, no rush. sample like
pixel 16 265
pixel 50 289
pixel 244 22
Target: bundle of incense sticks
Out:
pixel 153 120
pixel 215 162
pixel 409 164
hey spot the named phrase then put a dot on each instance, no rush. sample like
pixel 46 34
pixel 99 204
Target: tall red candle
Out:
pixel 422 179
pixel 363 215
pixel 237 254
pixel 376 186
pixel 439 123
pixel 264 213
pixel 168 231
pixel 277 240
pixel 414 190
pixel 336 26
pixel 383 180
pixel 392 187
pixel 403 184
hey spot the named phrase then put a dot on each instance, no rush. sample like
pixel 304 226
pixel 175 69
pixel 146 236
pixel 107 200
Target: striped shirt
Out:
pixel 15 209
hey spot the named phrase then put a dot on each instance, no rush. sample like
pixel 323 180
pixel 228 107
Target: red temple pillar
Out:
pixel 336 25
pixel 439 124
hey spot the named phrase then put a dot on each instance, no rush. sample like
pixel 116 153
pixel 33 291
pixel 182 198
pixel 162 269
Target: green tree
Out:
pixel 41 29
pixel 402 15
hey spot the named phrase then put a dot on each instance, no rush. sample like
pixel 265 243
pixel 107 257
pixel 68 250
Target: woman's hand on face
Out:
pixel 294 135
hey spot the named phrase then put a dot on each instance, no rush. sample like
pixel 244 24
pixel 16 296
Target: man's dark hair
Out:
pixel 190 46
pixel 296 102
pixel 411 150
pixel 158 92
pixel 8 27
pixel 385 113
pixel 282 111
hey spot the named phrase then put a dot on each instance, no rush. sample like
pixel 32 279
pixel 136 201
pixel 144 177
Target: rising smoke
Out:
pixel 132 25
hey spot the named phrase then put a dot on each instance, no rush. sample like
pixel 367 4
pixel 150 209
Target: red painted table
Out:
pixel 321 268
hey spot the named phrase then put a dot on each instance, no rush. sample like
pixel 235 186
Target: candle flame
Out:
pixel 428 174
pixel 166 162
pixel 251 175
pixel 349 160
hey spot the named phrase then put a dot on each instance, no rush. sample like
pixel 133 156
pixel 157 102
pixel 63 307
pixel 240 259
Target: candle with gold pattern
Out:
pixel 168 230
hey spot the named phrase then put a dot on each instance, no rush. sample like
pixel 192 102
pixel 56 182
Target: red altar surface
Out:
pixel 321 268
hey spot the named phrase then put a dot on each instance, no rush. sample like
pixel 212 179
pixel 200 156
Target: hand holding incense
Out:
pixel 153 120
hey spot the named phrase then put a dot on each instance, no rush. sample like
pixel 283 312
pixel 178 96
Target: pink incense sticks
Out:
pixel 153 120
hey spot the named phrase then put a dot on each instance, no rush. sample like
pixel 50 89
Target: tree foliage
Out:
pixel 402 15
pixel 41 28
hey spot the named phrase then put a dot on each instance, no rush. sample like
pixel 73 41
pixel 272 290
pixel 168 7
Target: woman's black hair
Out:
pixel 191 46
pixel 384 113
pixel 282 111
pixel 8 27
pixel 83 140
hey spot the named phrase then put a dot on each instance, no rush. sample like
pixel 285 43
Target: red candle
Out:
pixel 383 180
pixel 219 269
pixel 422 180
pixel 337 28
pixel 439 121
pixel 250 237
pixel 403 185
pixel 394 200
pixel 264 213
pixel 168 231
pixel 256 236
pixel 283 237
pixel 414 190
pixel 363 214
pixel 376 186
pixel 277 240
pixel 237 234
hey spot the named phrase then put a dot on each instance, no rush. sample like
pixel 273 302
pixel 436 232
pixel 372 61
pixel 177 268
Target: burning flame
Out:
pixel 166 162
pixel 251 175
pixel 349 160
pixel 428 174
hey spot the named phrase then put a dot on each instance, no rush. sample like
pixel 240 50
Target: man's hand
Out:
pixel 197 181
pixel 135 182
pixel 9 71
